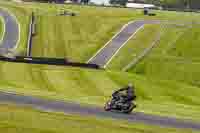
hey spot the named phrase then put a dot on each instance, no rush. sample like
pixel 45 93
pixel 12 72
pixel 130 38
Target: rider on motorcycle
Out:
pixel 126 97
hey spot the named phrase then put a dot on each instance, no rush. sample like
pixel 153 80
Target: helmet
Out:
pixel 130 88
pixel 130 85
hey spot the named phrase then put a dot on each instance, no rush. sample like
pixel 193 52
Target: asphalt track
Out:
pixel 108 51
pixel 11 34
pixel 73 108
pixel 10 41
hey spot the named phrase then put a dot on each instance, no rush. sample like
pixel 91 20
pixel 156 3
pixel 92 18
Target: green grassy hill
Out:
pixel 94 87
pixel 134 47
pixel 78 38
pixel 166 80
pixel 175 58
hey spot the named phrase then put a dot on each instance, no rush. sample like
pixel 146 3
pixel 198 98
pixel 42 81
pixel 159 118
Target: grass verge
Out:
pixel 23 119
pixel 175 58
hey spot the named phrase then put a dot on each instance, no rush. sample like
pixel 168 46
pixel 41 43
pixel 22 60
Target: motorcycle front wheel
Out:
pixel 107 106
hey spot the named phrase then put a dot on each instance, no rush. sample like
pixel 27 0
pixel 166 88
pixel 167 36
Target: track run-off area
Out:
pixel 10 41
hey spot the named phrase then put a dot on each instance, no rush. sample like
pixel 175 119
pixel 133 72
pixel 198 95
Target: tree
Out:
pixel 189 4
pixel 194 4
pixel 118 2
pixel 85 1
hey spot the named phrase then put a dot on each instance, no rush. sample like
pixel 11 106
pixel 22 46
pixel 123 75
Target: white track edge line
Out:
pixel 123 27
pixel 4 28
pixel 122 46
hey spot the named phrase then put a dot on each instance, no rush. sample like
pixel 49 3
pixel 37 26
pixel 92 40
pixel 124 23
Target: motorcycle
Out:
pixel 118 105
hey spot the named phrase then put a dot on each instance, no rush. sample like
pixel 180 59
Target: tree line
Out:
pixel 180 4
pixel 60 1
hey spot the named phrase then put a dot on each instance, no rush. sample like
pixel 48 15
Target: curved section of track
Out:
pixel 11 34
pixel 108 51
pixel 72 108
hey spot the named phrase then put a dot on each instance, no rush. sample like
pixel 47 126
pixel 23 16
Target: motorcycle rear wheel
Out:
pixel 130 109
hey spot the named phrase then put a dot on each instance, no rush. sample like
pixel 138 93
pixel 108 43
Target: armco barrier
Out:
pixel 48 61
pixel 32 32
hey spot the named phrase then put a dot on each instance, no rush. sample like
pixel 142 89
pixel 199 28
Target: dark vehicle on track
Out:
pixel 67 13
pixel 122 100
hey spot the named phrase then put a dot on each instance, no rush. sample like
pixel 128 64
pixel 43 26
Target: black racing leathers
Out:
pixel 127 96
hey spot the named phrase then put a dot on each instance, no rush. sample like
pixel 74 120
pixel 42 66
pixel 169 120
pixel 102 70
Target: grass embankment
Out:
pixel 23 120
pixel 135 46
pixel 94 87
pixel 78 38
pixel 175 58
pixel 87 32
pixel 168 35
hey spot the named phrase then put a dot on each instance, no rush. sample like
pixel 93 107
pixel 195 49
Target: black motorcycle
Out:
pixel 118 105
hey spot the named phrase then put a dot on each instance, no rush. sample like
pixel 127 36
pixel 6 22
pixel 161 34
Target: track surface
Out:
pixel 11 35
pixel 104 55
pixel 72 108
pixel 10 40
